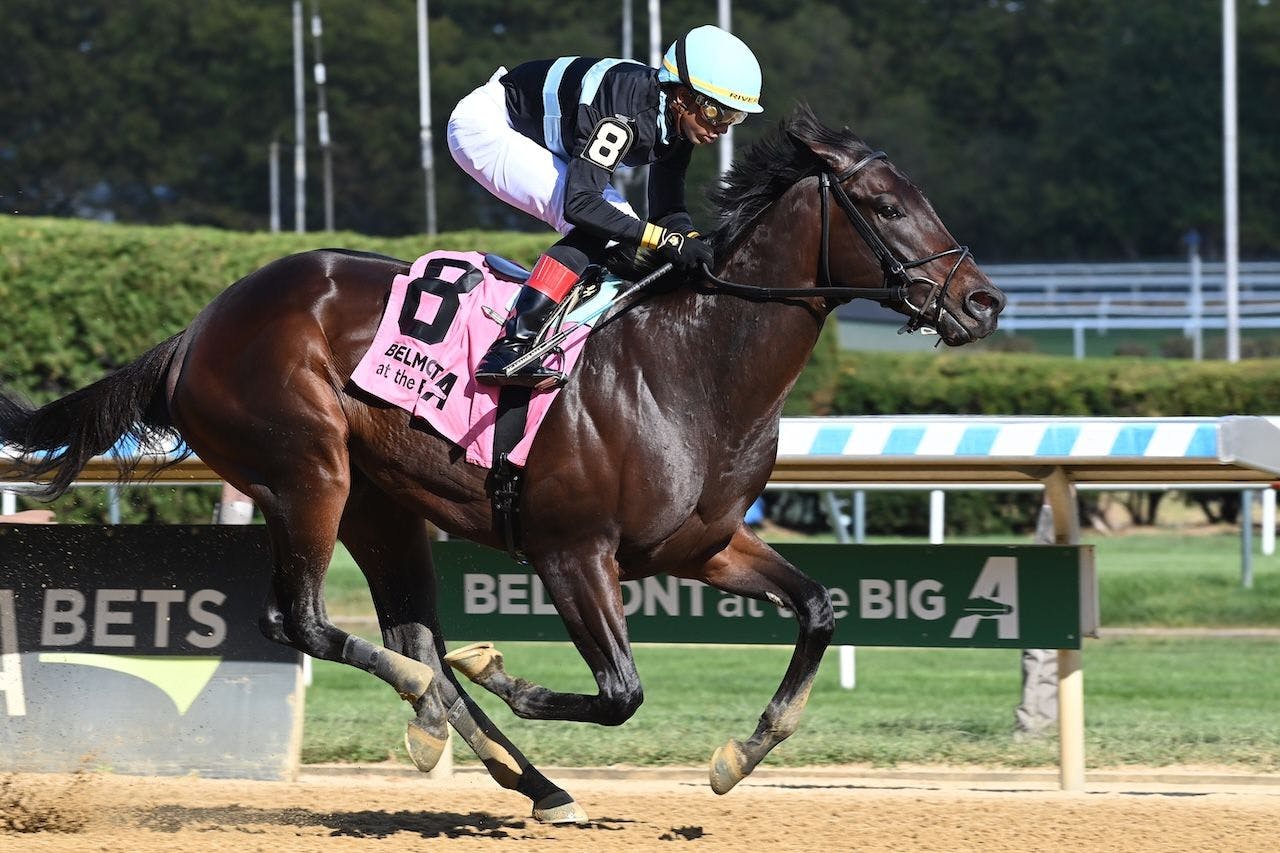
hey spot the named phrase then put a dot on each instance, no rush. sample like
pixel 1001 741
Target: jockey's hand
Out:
pixel 686 252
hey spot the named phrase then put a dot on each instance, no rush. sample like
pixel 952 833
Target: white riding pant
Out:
pixel 508 164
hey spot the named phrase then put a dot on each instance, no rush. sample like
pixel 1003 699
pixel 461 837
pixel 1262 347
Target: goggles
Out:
pixel 718 114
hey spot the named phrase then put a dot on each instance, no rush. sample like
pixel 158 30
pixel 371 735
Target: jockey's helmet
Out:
pixel 717 64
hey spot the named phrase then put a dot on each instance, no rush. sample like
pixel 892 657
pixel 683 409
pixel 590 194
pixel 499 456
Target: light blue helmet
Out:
pixel 717 64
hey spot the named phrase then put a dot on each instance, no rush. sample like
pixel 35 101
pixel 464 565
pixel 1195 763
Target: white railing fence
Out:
pixel 1186 296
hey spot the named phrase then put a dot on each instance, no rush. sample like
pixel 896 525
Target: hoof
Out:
pixel 727 767
pixel 424 748
pixel 474 660
pixel 569 812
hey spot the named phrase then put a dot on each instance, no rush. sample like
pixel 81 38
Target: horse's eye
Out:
pixel 889 211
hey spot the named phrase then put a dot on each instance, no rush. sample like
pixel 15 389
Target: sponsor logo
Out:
pixel 93 627
pixel 991 598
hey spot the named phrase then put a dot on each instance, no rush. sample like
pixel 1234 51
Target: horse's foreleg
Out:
pixel 585 590
pixel 392 548
pixel 751 568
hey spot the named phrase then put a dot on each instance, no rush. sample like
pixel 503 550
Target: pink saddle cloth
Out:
pixel 433 334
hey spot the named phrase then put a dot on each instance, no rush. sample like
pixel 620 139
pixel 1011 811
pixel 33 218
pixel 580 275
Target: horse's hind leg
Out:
pixel 303 526
pixel 254 396
pixel 392 548
pixel 751 568
pixel 583 585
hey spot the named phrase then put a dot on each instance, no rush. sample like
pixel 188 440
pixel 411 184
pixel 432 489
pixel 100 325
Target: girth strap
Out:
pixel 507 479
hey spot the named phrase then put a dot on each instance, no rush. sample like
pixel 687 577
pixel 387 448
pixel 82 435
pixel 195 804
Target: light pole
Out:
pixel 724 7
pixel 655 33
pixel 628 38
pixel 424 117
pixel 322 117
pixel 1231 182
pixel 299 127
pixel 273 183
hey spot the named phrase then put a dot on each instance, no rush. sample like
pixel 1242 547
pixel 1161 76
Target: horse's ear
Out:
pixel 836 158
pixel 804 129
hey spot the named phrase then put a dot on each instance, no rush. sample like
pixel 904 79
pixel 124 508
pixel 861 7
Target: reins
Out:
pixel 777 294
pixel 897 279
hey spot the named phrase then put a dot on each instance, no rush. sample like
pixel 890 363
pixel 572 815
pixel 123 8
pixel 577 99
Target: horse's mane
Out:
pixel 769 168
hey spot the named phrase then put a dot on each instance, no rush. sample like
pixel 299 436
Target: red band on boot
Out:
pixel 552 278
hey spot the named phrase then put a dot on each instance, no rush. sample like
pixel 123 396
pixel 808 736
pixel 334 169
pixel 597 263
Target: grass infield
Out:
pixel 1149 700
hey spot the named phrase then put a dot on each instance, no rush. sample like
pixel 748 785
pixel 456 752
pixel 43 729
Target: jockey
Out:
pixel 546 137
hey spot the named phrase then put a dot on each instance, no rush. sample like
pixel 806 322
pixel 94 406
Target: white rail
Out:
pixel 1188 297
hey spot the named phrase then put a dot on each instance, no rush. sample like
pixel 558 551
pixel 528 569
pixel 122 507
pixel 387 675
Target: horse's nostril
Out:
pixel 984 300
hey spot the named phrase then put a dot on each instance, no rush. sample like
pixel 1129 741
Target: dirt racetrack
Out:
pixel 390 811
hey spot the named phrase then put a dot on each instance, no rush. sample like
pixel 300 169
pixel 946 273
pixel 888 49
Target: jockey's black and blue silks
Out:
pixel 597 114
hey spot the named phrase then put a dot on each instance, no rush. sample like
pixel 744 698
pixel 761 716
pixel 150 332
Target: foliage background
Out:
pixel 1042 129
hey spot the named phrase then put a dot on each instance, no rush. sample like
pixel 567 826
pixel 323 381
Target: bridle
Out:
pixel 897 276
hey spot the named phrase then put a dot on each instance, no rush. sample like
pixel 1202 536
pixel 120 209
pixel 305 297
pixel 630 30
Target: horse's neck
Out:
pixel 764 344
pixel 780 251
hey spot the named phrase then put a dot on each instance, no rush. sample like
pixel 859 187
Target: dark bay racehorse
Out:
pixel 661 439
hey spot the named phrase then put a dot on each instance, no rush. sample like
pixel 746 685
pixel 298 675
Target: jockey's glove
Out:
pixel 686 252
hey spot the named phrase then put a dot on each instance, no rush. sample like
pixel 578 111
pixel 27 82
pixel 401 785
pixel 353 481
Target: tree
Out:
pixel 1040 129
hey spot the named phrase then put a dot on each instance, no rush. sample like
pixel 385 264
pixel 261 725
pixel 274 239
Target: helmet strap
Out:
pixel 682 64
pixel 678 98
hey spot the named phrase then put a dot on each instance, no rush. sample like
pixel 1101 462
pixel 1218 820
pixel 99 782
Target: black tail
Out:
pixel 62 437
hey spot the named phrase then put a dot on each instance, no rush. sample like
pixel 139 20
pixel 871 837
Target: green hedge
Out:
pixel 84 298
pixel 960 383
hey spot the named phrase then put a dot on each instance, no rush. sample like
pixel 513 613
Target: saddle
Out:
pixel 506 269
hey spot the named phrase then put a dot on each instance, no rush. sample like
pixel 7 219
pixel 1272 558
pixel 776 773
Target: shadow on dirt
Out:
pixel 355 824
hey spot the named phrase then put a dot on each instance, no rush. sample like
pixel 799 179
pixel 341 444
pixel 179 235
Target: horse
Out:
pixel 662 437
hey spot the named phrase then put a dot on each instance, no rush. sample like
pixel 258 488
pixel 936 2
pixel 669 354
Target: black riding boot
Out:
pixel 530 313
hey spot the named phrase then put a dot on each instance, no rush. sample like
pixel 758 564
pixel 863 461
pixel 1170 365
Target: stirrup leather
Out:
pixel 547 341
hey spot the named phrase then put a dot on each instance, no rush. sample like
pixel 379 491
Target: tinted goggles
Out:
pixel 718 114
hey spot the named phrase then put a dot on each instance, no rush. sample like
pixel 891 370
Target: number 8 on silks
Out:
pixel 546 137
pixel 608 143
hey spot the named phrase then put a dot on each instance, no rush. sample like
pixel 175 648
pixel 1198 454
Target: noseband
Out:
pixel 897 276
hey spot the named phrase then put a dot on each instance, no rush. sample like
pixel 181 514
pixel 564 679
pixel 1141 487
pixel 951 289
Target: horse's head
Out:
pixel 885 228
pixel 879 234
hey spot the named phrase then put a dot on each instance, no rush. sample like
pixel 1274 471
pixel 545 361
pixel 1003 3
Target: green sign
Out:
pixel 972 596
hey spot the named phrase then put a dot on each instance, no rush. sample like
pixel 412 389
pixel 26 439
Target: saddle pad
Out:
pixel 434 332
